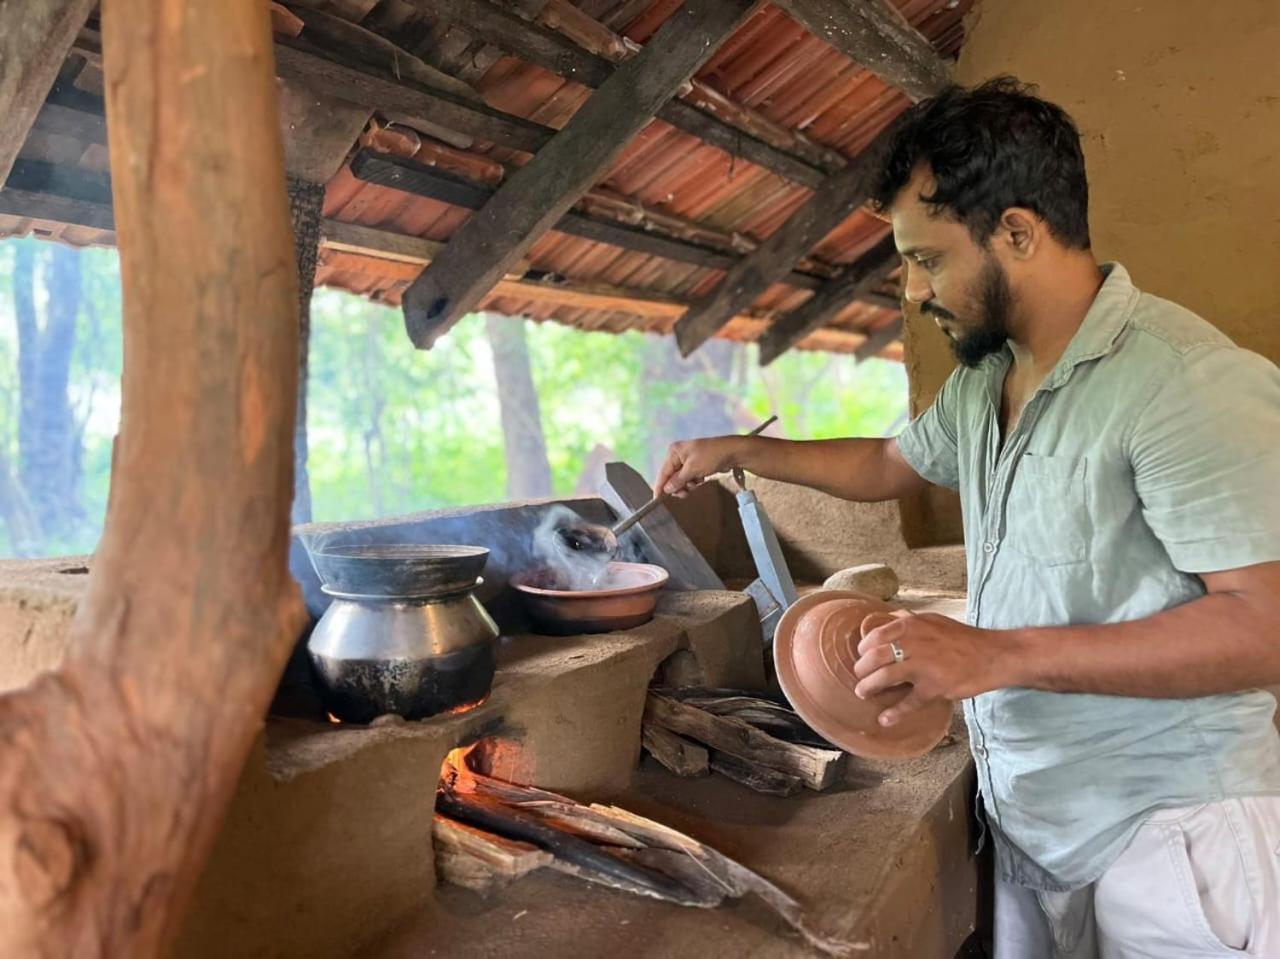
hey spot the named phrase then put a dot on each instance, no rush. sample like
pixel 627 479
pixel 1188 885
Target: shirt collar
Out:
pixel 1106 319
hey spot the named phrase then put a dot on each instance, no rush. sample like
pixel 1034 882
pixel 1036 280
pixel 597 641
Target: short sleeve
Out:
pixel 928 443
pixel 1205 452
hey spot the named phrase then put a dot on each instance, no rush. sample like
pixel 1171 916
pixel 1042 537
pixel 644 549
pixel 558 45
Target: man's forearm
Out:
pixel 1222 642
pixel 867 470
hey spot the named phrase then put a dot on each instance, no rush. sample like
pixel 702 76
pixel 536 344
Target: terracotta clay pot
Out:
pixel 627 597
pixel 814 650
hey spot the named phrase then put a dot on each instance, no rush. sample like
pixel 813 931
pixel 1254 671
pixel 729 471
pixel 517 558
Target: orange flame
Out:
pixel 334 719
pixel 464 707
pixel 454 771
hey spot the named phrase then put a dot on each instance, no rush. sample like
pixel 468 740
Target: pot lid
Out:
pixel 814 649
pixel 398 569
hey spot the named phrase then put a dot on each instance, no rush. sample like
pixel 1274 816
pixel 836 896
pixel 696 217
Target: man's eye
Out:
pixel 928 262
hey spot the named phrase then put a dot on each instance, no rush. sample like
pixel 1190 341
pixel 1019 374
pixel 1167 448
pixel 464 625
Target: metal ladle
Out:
pixel 603 540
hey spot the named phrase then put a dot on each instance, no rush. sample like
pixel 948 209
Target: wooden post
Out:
pixel 115 771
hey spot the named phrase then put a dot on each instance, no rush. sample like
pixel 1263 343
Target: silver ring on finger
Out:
pixel 898 655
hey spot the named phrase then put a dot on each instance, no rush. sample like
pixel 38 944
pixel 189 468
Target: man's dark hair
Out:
pixel 990 148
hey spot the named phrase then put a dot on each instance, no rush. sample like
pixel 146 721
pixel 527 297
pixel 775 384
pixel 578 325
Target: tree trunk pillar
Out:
pixel 116 771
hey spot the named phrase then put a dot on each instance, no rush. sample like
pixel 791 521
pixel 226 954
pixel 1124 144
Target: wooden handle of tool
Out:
pixel 638 515
pixel 653 504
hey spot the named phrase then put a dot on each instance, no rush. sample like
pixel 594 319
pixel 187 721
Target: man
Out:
pixel 1118 461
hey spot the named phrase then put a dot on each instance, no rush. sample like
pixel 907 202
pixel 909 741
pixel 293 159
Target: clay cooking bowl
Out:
pixel 814 651
pixel 626 598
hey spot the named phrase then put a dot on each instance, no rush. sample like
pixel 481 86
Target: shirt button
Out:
pixel 988 547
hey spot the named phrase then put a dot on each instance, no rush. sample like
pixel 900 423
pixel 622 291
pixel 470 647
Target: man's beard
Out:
pixel 995 304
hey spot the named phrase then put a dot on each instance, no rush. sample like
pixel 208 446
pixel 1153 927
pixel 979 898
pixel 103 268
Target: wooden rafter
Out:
pixel 830 205
pixel 35 37
pixel 869 272
pixel 38 205
pixel 649 238
pixel 872 34
pixel 406 99
pixel 538 194
pixel 403 256
pixel 877 38
pixel 878 340
pixel 799 160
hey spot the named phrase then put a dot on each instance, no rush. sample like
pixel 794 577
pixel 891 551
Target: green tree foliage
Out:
pixel 395 430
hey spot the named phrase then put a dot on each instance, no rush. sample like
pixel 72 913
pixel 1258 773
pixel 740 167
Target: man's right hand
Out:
pixel 867 470
pixel 690 462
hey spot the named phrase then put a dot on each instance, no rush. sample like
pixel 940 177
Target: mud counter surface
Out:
pixel 885 860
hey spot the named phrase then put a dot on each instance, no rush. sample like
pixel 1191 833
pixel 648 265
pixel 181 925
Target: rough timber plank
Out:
pixel 876 36
pixel 816 768
pixel 319 131
pixel 407 99
pixel 35 37
pixel 839 195
pixel 675 753
pixel 866 274
pixel 539 193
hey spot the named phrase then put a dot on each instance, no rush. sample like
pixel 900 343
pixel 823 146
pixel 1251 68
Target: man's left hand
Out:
pixel 945 659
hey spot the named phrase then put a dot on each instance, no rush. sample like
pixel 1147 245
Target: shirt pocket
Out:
pixel 1047 515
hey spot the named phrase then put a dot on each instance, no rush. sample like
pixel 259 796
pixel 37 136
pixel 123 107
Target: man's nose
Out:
pixel 917 289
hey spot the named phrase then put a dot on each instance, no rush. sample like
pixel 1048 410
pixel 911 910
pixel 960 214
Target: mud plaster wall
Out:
pixel 1178 104
pixel 819 535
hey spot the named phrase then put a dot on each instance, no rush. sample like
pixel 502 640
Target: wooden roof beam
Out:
pixel 404 99
pixel 541 192
pixel 800 160
pixel 624 223
pixel 413 252
pixel 877 37
pixel 879 340
pixel 829 206
pixel 866 274
pixel 35 38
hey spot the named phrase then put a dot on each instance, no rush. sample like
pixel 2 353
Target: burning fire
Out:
pixel 454 771
pixel 463 707
pixel 334 719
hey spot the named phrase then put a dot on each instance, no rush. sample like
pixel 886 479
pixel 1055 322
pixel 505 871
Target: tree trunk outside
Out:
pixel 15 509
pixel 528 470
pixel 24 311
pixel 49 462
pixel 116 770
pixel 306 201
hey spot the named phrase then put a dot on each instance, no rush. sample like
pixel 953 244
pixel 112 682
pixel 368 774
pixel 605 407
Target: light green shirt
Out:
pixel 1149 454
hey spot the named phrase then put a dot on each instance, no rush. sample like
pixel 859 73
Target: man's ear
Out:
pixel 1020 231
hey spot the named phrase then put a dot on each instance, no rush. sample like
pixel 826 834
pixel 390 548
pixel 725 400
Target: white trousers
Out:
pixel 1195 882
